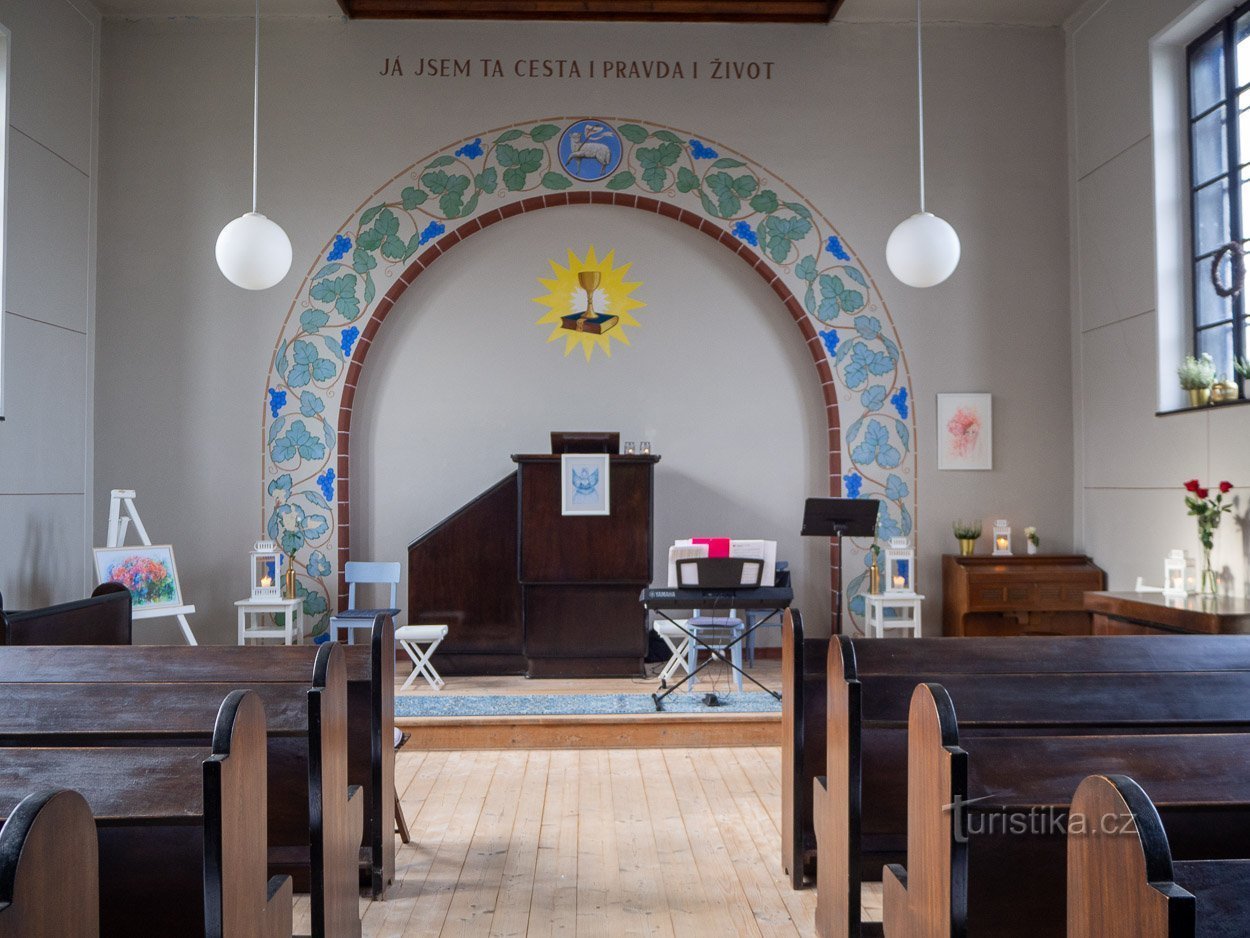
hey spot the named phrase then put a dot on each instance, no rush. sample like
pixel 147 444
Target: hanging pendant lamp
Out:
pixel 253 252
pixel 924 249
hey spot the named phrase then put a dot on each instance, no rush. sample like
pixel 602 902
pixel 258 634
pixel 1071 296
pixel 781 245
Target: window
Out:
pixel 1219 179
pixel 4 195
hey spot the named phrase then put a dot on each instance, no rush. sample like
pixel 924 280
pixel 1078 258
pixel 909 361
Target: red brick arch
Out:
pixel 554 200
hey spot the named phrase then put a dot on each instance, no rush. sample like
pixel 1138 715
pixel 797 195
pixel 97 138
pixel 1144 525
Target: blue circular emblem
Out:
pixel 590 149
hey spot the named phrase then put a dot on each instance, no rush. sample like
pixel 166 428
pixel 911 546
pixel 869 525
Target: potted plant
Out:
pixel 967 533
pixel 1196 376
pixel 1242 367
pixel 1031 539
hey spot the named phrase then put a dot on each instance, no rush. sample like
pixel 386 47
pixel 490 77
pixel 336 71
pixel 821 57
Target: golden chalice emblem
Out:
pixel 588 320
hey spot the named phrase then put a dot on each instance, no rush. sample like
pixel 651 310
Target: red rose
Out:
pixel 1226 487
pixel 1202 493
pixel 1191 485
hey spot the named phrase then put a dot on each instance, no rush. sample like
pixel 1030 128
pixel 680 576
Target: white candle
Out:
pixel 900 581
pixel 266 581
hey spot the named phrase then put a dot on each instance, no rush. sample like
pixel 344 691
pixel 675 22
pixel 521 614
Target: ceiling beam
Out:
pixel 671 11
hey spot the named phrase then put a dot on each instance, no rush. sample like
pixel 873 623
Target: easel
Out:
pixel 118 526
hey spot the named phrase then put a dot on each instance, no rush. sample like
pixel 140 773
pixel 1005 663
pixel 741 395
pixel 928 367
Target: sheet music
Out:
pixel 681 551
pixel 758 550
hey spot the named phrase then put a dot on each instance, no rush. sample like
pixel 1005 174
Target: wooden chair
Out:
pixel 365 573
pixel 49 869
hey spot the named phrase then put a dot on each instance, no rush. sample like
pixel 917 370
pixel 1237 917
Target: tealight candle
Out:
pixel 1001 542
pixel 900 581
pixel 266 581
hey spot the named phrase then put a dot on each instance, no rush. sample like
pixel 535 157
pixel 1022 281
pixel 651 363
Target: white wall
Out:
pixel 1131 462
pixel 179 411
pixel 46 436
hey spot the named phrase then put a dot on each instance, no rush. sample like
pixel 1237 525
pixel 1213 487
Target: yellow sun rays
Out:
pixel 566 298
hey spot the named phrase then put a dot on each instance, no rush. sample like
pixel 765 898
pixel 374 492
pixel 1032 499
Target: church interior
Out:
pixel 819 513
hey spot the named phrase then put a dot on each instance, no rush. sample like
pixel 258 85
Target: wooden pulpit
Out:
pixel 581 575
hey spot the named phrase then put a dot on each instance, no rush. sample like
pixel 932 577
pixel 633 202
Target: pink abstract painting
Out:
pixel 964 430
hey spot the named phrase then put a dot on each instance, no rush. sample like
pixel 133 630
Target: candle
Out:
pixel 1002 542
pixel 900 581
pixel 266 581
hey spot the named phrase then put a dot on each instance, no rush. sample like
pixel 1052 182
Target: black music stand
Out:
pixel 839 518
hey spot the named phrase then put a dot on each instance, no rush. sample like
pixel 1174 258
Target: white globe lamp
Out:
pixel 923 250
pixel 253 252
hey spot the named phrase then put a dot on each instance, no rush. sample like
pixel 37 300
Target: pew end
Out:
pixel 837 800
pixel 49 869
pixel 237 890
pixel 918 901
pixel 1120 880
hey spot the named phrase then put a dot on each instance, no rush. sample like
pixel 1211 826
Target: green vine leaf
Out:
pixel 517 164
pixel 412 197
pixel 633 133
pixel 687 181
pixel 556 181
pixel 311 320
pixel 441 161
pixel 341 291
pixel 370 215
pixel 544 132
pixel 765 202
pixel 668 137
pixel 487 180
pixel 620 181
pixel 509 135
pixel 655 162
pixel 726 163
pixel 362 260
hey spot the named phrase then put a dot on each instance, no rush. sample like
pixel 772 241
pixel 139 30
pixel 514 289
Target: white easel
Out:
pixel 118 526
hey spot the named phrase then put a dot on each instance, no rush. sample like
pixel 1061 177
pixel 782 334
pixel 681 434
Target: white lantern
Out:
pixel 1180 577
pixel 267 570
pixel 1002 538
pixel 900 567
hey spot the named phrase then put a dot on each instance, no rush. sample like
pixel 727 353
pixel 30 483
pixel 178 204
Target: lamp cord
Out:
pixel 920 99
pixel 255 110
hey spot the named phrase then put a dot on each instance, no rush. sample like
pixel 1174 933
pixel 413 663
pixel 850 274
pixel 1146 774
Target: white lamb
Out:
pixel 583 148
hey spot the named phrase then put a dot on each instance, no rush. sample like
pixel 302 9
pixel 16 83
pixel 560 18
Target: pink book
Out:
pixel 716 546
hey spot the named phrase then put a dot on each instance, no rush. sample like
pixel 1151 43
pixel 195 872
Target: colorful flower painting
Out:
pixel 148 572
pixel 964 431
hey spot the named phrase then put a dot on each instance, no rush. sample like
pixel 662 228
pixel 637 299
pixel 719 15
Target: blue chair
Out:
pixel 352 618
pixel 755 616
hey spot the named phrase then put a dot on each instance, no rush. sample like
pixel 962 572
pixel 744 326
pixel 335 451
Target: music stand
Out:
pixel 839 518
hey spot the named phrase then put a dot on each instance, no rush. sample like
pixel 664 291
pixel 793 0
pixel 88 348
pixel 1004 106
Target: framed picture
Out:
pixel 147 571
pixel 584 484
pixel 965 431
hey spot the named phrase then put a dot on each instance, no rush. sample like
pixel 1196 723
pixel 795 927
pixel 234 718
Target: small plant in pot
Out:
pixel 967 533
pixel 1196 376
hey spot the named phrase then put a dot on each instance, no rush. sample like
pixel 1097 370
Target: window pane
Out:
pixel 1241 41
pixel 1206 74
pixel 1218 343
pixel 1211 306
pixel 1211 216
pixel 1210 147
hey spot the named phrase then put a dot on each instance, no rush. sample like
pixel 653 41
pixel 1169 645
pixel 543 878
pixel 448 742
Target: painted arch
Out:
pixel 406 224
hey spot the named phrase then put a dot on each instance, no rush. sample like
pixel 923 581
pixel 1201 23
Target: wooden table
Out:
pixel 1156 614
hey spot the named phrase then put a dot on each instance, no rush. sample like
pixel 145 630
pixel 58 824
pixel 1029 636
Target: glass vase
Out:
pixel 1210 585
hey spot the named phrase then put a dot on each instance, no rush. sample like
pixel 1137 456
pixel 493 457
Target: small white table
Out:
pixel 256 609
pixel 906 609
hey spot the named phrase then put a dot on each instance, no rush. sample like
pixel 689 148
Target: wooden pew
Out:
pixel 988 814
pixel 370 709
pixel 181 838
pixel 49 868
pixel 315 820
pixel 102 619
pixel 802 743
pixel 860 805
pixel 1128 886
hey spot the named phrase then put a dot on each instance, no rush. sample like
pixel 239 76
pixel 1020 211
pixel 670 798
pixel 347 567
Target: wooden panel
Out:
pixel 682 11
pixel 1223 615
pixel 102 619
pixel 1037 595
pixel 578 549
pixel 594 732
pixel 462 573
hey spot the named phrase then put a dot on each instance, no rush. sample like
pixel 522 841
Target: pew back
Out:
pixel 803 742
pixel 102 619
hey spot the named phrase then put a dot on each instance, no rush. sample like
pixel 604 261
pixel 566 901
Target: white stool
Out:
pixel 411 638
pixel 906 609
pixel 251 609
pixel 678 642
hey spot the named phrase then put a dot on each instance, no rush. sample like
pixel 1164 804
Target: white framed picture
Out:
pixel 965 431
pixel 584 483
pixel 147 571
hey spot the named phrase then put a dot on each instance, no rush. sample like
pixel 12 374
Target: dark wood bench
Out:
pixel 102 619
pixel 180 830
pixel 988 814
pixel 49 868
pixel 315 819
pixel 370 713
pixel 859 806
pixel 803 721
pixel 1124 882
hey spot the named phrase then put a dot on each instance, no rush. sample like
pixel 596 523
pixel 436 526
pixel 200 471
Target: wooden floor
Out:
pixel 679 842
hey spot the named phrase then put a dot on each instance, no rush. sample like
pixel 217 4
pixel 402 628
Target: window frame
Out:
pixel 1226 26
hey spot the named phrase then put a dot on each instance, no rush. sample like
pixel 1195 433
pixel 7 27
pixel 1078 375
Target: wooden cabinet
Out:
pixel 1043 594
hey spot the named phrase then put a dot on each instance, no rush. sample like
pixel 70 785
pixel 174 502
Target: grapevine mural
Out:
pixel 450 194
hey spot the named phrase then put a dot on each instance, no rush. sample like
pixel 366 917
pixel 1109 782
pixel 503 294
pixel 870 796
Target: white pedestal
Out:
pixel 254 610
pixel 906 609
